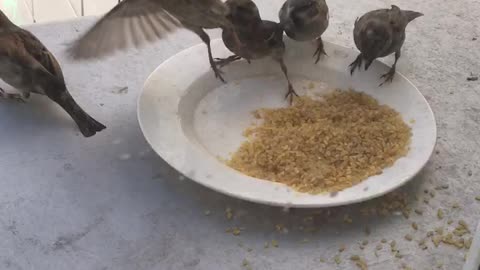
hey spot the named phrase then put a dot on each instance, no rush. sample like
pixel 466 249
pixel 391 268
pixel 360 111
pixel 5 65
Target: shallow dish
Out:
pixel 192 119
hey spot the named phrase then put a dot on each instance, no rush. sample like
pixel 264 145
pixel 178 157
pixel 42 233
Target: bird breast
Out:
pixel 306 32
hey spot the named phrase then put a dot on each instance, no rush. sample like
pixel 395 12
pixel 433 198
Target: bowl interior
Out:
pixel 191 118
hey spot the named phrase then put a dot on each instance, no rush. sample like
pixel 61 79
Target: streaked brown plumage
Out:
pixel 380 33
pixel 259 38
pixel 135 22
pixel 28 66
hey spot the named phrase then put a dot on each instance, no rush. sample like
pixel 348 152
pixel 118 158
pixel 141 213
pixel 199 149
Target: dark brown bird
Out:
pixel 135 22
pixel 380 33
pixel 259 38
pixel 28 66
pixel 305 20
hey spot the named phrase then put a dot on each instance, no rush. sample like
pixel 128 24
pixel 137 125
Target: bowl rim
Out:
pixel 391 188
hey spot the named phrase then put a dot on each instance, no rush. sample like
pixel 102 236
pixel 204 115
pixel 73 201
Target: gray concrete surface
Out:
pixel 72 203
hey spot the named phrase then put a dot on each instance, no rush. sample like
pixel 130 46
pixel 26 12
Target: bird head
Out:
pixel 305 11
pixel 243 12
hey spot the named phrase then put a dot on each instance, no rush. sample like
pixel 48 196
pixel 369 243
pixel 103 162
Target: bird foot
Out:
pixel 290 94
pixel 319 52
pixel 355 64
pixel 218 73
pixel 16 97
pixel 221 62
pixel 388 77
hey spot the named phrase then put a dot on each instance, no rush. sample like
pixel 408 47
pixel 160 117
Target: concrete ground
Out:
pixel 70 203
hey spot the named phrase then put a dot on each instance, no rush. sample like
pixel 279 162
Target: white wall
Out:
pixel 29 11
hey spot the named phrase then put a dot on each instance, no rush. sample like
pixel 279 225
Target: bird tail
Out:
pixel 87 125
pixel 412 15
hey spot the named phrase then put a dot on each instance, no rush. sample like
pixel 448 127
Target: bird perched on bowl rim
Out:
pixel 259 38
pixel 136 22
pixel 27 65
pixel 380 33
pixel 305 20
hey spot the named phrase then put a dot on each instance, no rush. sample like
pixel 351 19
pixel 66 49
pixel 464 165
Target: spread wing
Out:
pixel 132 22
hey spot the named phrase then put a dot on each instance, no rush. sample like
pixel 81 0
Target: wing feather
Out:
pixel 131 22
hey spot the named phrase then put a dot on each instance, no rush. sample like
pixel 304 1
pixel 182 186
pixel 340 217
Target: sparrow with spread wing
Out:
pixel 135 22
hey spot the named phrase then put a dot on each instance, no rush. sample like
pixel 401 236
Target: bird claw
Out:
pixel 221 62
pixel 290 94
pixel 318 53
pixel 388 77
pixel 352 67
pixel 19 99
pixel 218 73
pixel 16 97
pixel 355 64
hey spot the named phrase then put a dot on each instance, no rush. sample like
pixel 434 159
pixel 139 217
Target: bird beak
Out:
pixel 412 15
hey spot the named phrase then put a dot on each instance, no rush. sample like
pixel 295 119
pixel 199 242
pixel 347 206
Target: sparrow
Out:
pixel 259 38
pixel 136 22
pixel 27 65
pixel 380 33
pixel 305 20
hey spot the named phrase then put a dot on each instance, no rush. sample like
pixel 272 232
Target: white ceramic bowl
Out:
pixel 190 118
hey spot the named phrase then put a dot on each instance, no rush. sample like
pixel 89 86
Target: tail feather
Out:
pixel 88 125
pixel 55 89
pixel 412 15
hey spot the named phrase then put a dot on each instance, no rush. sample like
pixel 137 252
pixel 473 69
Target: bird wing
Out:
pixel 215 8
pixel 131 21
pixel 206 14
pixel 26 63
pixel 35 49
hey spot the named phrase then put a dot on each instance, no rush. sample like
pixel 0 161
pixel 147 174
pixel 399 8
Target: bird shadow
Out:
pixel 36 114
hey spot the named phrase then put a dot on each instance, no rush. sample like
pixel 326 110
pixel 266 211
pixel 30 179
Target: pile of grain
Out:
pixel 323 145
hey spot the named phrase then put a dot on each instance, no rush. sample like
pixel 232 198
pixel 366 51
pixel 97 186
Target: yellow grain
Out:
pixel 323 145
